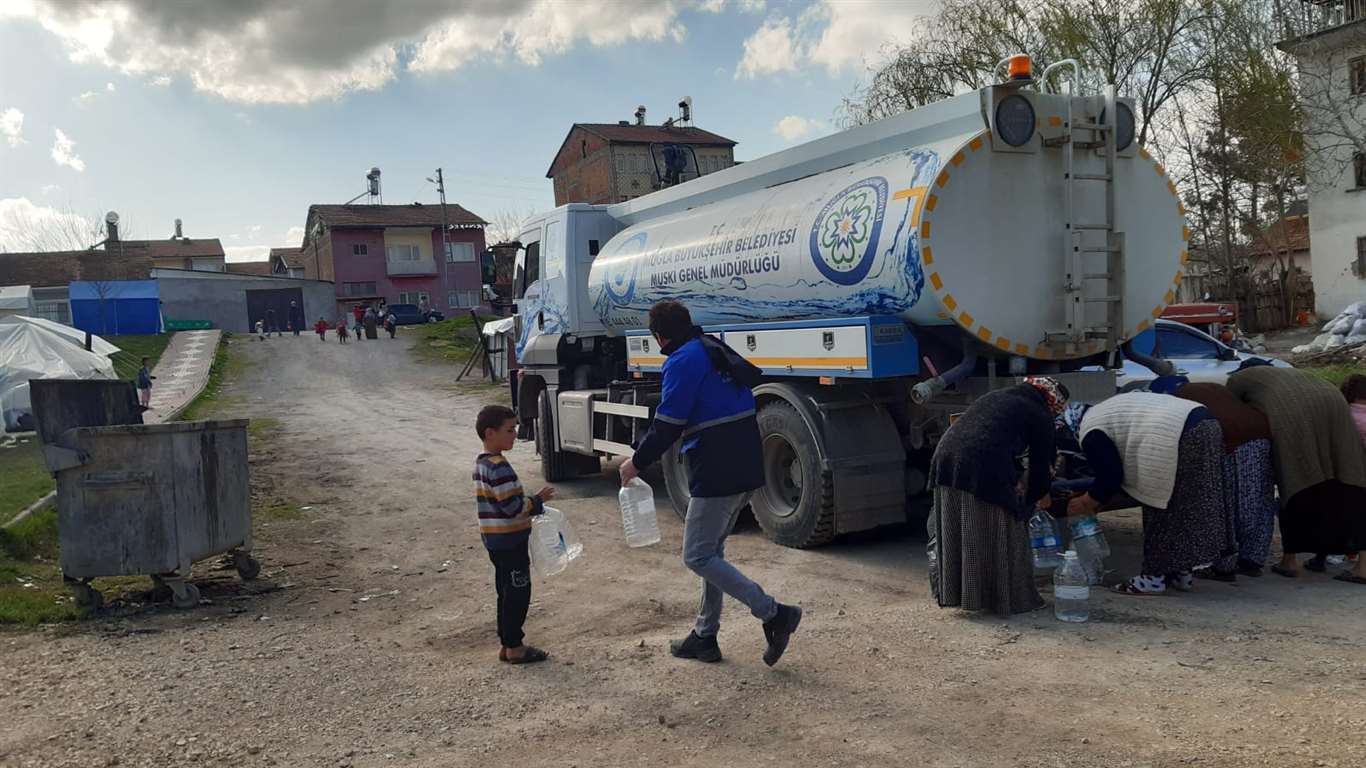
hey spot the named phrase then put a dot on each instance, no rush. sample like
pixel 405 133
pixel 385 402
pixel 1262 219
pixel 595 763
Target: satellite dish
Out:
pixel 111 218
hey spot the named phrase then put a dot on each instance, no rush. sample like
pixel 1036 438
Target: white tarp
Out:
pixel 31 351
pixel 16 300
pixel 75 335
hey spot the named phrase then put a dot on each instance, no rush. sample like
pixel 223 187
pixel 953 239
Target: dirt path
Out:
pixel 379 648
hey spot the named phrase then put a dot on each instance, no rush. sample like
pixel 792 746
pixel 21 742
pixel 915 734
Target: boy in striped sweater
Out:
pixel 505 514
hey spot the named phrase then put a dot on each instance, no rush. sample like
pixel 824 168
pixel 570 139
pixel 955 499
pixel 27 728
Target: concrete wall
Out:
pixel 221 298
pixel 1337 205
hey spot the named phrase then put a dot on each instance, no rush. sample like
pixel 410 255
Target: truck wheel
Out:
pixel 796 505
pixel 553 465
pixel 675 471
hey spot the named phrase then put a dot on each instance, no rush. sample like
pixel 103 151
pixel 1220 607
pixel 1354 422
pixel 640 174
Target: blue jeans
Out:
pixel 709 522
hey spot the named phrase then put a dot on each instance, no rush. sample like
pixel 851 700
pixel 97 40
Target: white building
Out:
pixel 1332 72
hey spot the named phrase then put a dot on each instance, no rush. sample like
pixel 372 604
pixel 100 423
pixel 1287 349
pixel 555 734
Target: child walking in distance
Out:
pixel 320 328
pixel 342 333
pixel 505 514
pixel 145 383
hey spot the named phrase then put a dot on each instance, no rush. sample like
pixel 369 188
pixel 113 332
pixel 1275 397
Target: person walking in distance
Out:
pixel 271 326
pixel 707 401
pixel 145 383
pixel 296 317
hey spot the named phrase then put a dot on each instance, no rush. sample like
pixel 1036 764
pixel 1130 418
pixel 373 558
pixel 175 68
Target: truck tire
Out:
pixel 554 467
pixel 675 472
pixel 796 504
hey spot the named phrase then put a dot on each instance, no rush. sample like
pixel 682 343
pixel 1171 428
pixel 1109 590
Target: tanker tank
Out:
pixel 949 231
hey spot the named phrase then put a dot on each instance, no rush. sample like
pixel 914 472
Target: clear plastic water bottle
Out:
pixel 1043 539
pixel 553 542
pixel 1071 590
pixel 638 519
pixel 1089 543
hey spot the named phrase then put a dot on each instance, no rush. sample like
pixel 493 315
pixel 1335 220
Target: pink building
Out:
pixel 394 252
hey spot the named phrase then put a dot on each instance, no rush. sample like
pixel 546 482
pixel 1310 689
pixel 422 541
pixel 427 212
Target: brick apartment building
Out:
pixel 392 252
pixel 615 162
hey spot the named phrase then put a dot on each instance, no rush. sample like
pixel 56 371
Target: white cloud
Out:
pixel 12 127
pixel 719 6
pixel 833 34
pixel 25 226
pixel 542 28
pixel 253 230
pixel 109 87
pixel 86 99
pixel 48 189
pixel 64 152
pixel 235 253
pixel 770 50
pixel 294 237
pixel 253 51
pixel 794 127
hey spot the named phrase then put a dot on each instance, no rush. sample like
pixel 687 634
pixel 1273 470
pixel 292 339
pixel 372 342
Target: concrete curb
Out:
pixel 34 507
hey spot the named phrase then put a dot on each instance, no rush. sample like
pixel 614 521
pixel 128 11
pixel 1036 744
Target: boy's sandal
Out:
pixel 1350 578
pixel 1281 570
pixel 1316 565
pixel 530 656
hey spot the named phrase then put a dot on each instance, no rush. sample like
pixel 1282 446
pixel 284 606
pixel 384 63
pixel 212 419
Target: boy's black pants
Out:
pixel 512 577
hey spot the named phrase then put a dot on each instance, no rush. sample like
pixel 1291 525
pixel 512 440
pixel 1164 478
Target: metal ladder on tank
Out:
pixel 1078 331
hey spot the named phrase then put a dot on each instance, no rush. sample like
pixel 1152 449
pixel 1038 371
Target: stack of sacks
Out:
pixel 1349 327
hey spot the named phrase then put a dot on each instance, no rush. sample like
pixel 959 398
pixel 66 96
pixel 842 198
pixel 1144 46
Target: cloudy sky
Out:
pixel 237 115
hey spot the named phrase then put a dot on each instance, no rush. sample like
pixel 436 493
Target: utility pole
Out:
pixel 445 247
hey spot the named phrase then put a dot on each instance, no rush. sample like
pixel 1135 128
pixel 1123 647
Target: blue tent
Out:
pixel 115 307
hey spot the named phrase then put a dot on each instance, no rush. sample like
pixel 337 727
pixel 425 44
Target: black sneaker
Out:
pixel 779 630
pixel 1249 568
pixel 694 646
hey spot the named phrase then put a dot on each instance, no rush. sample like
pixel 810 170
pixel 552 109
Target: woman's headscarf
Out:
pixel 1054 393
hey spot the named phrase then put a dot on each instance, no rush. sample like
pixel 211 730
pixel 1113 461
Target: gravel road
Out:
pixel 369 640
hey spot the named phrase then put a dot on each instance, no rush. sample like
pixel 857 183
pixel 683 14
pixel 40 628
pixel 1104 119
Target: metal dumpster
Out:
pixel 148 499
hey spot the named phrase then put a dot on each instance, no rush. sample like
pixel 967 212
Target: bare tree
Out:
pixel 506 225
pixel 64 230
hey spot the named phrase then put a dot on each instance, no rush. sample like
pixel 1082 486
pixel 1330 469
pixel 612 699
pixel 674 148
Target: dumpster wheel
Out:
pixel 247 566
pixel 87 597
pixel 184 595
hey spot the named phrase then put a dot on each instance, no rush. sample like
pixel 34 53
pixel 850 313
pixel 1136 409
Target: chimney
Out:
pixel 111 227
pixel 640 115
pixel 178 234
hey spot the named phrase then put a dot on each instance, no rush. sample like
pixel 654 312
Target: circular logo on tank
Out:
pixel 619 279
pixel 845 234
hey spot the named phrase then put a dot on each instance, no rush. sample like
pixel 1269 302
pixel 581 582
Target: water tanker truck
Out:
pixel 882 278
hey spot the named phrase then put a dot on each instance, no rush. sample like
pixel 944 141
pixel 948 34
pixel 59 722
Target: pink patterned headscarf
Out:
pixel 1054 393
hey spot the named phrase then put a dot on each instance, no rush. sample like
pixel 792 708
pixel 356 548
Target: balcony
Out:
pixel 409 267
pixel 1311 17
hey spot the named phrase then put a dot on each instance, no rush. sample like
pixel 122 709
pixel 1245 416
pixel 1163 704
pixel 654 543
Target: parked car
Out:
pixel 407 314
pixel 1196 355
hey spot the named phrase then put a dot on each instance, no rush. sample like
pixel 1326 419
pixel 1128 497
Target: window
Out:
pixel 360 249
pixel 531 272
pixel 462 299
pixel 1356 75
pixel 413 297
pixel 1361 257
pixel 1181 345
pixel 1359 170
pixel 403 253
pixel 358 289
pixel 459 252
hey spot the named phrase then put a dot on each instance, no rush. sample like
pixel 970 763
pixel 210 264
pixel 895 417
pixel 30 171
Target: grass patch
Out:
pixel 260 426
pixel 228 364
pixel 23 477
pixel 31 588
pixel 449 341
pixel 1336 374
pixel 278 512
pixel 132 349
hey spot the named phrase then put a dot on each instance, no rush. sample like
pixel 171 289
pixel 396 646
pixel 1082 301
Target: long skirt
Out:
pixel 979 556
pixel 1250 495
pixel 1328 519
pixel 1196 528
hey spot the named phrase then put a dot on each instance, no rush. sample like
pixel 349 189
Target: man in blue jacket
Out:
pixel 708 403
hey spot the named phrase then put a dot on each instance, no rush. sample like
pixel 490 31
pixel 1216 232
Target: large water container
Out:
pixel 1071 590
pixel 638 519
pixel 553 542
